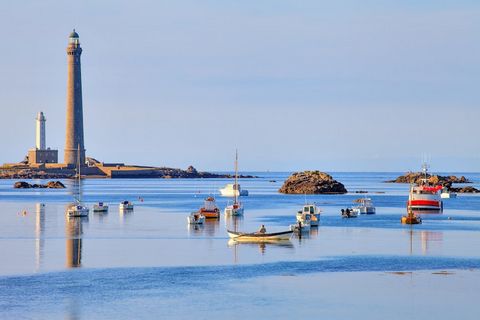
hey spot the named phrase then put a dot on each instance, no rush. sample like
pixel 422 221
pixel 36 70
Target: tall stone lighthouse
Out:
pixel 74 133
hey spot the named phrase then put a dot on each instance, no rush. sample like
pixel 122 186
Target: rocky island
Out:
pixel 445 181
pixel 312 182
pixel 49 185
pixel 416 177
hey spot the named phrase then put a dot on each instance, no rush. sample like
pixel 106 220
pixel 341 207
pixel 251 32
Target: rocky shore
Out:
pixel 312 182
pixel 121 172
pixel 464 190
pixel 49 185
pixel 416 177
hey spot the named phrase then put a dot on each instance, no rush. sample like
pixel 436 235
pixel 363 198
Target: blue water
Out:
pixel 150 263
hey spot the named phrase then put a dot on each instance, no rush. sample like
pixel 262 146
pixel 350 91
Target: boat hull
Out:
pixel 423 204
pixel 260 237
pixel 211 214
pixel 229 211
pixel 193 219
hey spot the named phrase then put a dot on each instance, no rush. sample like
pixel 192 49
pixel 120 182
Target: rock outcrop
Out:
pixel 49 185
pixel 464 190
pixel 312 182
pixel 416 177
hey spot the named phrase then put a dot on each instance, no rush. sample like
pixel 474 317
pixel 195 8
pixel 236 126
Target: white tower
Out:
pixel 40 132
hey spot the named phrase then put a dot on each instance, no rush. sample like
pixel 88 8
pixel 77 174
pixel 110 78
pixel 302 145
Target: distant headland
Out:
pixel 95 169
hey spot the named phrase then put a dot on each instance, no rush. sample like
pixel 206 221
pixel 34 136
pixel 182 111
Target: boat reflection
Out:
pixel 262 246
pixel 125 215
pixel 73 235
pixel 234 222
pixel 428 239
pixel 39 230
pixel 195 229
pixel 211 226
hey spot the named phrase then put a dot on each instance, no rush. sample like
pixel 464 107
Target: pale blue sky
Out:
pixel 329 85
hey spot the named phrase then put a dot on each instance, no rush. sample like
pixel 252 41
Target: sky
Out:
pixel 294 85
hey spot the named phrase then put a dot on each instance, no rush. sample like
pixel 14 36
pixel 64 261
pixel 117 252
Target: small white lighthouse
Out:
pixel 41 154
pixel 40 132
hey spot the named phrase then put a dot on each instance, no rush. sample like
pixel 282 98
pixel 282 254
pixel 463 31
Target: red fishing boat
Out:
pixel 425 196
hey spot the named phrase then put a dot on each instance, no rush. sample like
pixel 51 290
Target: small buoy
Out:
pixel 449 218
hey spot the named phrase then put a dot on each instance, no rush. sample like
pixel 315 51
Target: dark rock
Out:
pixel 50 185
pixel 312 182
pixel 55 185
pixel 464 190
pixel 22 185
pixel 416 177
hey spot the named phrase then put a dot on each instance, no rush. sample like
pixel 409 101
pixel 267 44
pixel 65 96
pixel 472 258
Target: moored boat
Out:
pixel 77 209
pixel 425 196
pixel 260 237
pixel 236 208
pixel 125 205
pixel 410 218
pixel 232 189
pixel 365 206
pixel 100 207
pixel 210 209
pixel 446 194
pixel 196 218
pixel 348 213
pixel 314 213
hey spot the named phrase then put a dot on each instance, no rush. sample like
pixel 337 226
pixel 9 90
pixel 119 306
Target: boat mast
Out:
pixel 78 172
pixel 235 189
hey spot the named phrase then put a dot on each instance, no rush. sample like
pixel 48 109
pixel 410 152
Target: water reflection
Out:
pixel 234 223
pixel 211 226
pixel 39 230
pixel 124 215
pixel 73 243
pixel 427 240
pixel 262 246
pixel 195 229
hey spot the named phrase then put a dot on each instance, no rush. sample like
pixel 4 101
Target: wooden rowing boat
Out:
pixel 260 237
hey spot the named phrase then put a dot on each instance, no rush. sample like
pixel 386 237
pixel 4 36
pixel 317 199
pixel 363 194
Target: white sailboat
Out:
pixel 236 208
pixel 77 209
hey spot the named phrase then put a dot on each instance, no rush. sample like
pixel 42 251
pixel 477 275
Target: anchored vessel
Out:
pixel 77 209
pixel 125 205
pixel 425 196
pixel 210 209
pixel 236 208
pixel 100 207
pixel 365 206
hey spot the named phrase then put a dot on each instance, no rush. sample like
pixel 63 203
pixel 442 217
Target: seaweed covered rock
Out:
pixel 312 182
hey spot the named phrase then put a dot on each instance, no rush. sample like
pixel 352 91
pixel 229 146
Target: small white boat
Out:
pixel 314 214
pixel 100 207
pixel 196 218
pixel 365 206
pixel 260 237
pixel 447 194
pixel 125 205
pixel 231 190
pixel 77 210
pixel 236 208
pixel 348 213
